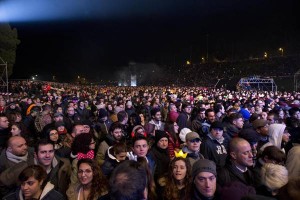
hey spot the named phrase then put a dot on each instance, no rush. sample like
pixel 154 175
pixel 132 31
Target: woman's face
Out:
pixel 53 135
pixel 18 118
pixel 179 170
pixel 59 110
pixel 85 174
pixel 92 144
pixel 176 127
pixel 15 131
pixel 31 188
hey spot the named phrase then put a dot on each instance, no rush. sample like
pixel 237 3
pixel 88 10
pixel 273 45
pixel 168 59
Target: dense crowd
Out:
pixel 63 141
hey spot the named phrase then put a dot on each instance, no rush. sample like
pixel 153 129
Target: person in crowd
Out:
pixel 235 125
pixel 214 147
pixel 273 177
pixel 174 141
pixel 14 159
pixel 103 124
pixel 138 130
pixel 261 127
pixel 34 185
pixel 18 129
pixel 82 147
pixel 172 114
pixel 58 169
pixel 156 120
pixel 292 161
pixel 115 155
pixel 204 180
pixel 159 153
pixel 199 119
pixel 4 131
pixel 210 117
pixel 238 167
pixel 91 183
pixel 192 147
pixel 178 182
pixel 128 181
pixel 183 119
pixel 115 136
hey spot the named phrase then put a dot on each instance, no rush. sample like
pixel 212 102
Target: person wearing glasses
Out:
pixel 83 146
pixel 192 147
pixel 91 182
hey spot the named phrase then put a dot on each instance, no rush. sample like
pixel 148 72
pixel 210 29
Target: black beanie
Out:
pixel 160 134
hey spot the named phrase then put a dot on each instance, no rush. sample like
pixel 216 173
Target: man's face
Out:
pixel 117 134
pixel 264 131
pixel 206 184
pixel 202 115
pixel 140 148
pixel 58 119
pixel 18 146
pixel 271 119
pixel 78 130
pixel 188 109
pixel 71 111
pixel 243 155
pixel 45 155
pixel 157 116
pixel 4 122
pixel 163 143
pixel 297 115
pixel 194 144
pixel 211 117
pixel 217 133
pixel 239 123
pixel 86 128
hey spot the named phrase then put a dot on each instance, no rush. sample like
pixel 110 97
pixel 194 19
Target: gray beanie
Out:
pixel 203 165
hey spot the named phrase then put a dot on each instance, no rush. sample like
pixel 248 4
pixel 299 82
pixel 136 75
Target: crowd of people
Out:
pixel 63 141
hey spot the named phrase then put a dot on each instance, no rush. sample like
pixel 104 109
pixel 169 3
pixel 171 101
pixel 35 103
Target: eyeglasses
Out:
pixel 88 171
pixel 195 140
pixel 55 133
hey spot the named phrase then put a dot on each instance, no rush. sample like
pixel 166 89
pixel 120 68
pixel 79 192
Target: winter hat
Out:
pixel 216 124
pixel 102 113
pixel 203 165
pixel 59 123
pixel 160 134
pixel 58 114
pixel 183 133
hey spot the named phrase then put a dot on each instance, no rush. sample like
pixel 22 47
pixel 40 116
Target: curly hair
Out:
pixel 81 143
pixel 99 182
pixel 171 189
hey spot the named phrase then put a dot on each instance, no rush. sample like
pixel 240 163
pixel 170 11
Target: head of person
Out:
pixel 52 135
pixel 193 141
pixel 236 119
pixel 261 126
pixel 138 130
pixel 17 146
pixel 120 151
pixel 187 108
pixel 102 115
pixel 219 108
pixel 77 130
pixel 216 130
pixel 156 114
pixel 240 153
pixel 140 146
pixel 32 180
pixel 116 130
pixel 180 170
pixel 58 117
pixel 71 111
pixel 61 127
pixel 273 154
pixel 87 126
pixel 172 107
pixel 14 116
pixel 122 117
pixel 161 139
pixel 17 129
pixel 204 177
pixel 294 113
pixel 44 152
pixel 83 143
pixel 89 174
pixel 4 123
pixel 201 113
pixel 274 177
pixel 128 181
pixel 210 115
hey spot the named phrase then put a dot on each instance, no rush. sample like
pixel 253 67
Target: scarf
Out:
pixel 89 154
pixel 16 159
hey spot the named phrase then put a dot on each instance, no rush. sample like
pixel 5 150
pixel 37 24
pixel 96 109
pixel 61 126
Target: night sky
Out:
pixel 95 38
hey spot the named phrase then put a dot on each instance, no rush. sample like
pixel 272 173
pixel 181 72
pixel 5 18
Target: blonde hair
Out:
pixel 274 176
